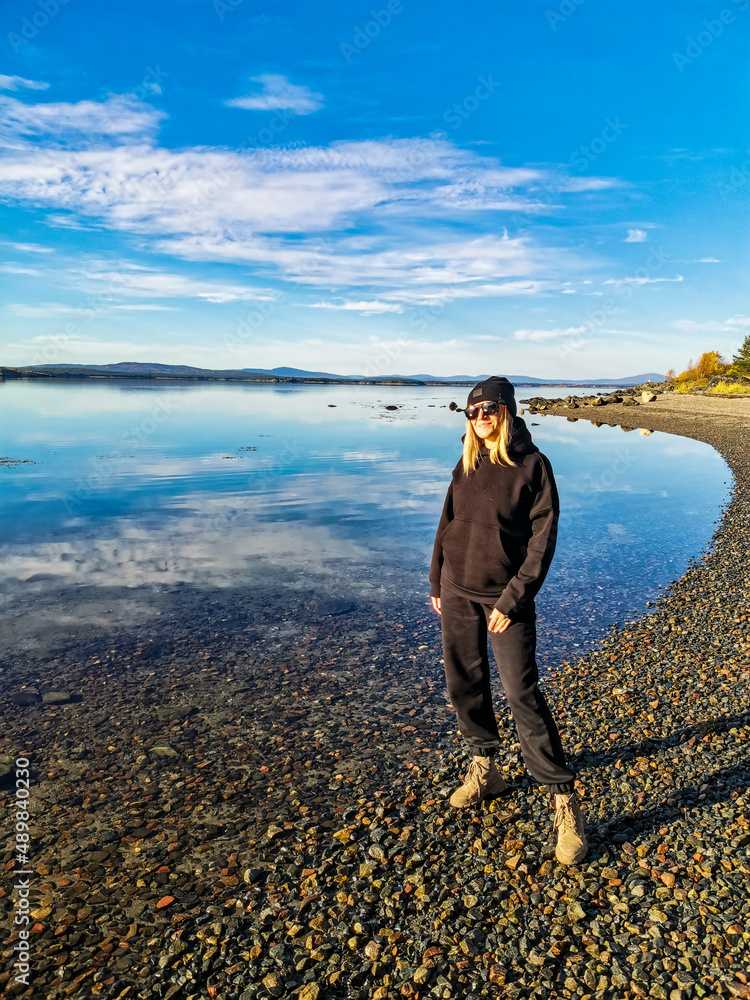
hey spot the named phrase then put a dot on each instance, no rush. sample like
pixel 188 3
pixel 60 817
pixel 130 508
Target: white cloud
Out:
pixel 278 94
pixel 64 222
pixel 636 236
pixel 107 284
pixel 27 247
pixel 551 334
pixel 691 326
pixel 46 310
pixel 365 308
pixel 707 260
pixel 12 269
pixel 267 207
pixel 140 281
pixel 575 184
pixel 20 82
pixel 441 296
pixel 733 325
pixel 640 281
pixel 119 116
pixel 436 272
pixel 148 307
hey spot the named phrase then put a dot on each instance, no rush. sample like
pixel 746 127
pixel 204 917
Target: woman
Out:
pixel 493 547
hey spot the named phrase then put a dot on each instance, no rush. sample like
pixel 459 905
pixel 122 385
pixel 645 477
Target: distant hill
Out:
pixel 284 372
pixel 165 373
pixel 533 380
pixel 298 373
pixel 137 366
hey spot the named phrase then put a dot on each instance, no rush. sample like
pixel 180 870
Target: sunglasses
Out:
pixel 488 409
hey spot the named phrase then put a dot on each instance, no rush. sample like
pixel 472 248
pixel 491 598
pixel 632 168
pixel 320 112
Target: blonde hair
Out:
pixel 499 449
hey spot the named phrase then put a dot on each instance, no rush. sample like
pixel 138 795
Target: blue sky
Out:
pixel 554 189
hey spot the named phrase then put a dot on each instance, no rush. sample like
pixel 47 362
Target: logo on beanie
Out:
pixel 477 392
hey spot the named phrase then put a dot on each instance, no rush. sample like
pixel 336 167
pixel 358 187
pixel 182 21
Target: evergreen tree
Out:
pixel 741 360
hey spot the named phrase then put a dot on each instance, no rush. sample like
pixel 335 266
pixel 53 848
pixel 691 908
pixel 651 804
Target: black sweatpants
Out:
pixel 467 673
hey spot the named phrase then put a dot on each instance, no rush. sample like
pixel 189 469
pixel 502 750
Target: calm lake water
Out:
pixel 138 488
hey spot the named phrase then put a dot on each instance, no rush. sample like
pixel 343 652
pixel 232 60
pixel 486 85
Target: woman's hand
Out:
pixel 498 621
pixel 436 604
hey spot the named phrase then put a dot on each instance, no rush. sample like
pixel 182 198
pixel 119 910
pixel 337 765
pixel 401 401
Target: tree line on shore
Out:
pixel 712 371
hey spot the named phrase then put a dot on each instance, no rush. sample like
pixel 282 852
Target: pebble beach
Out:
pixel 255 805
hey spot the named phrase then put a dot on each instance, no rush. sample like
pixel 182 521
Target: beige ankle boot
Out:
pixel 571 844
pixel 482 778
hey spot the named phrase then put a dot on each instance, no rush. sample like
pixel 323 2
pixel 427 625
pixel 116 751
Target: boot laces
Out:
pixel 565 816
pixel 473 775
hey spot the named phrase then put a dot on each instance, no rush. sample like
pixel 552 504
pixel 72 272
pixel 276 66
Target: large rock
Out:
pixel 737 380
pixel 26 698
pixel 56 697
pixel 175 712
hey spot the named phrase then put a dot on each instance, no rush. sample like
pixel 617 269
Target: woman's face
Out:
pixel 487 427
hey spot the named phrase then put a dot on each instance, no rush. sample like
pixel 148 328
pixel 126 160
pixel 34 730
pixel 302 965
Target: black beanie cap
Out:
pixel 496 388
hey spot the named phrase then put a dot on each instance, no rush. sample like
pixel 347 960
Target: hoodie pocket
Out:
pixel 501 549
pixel 473 556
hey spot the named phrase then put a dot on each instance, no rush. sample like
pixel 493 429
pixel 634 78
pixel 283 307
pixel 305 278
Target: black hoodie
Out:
pixel 498 529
